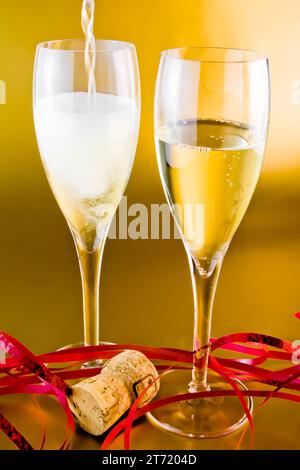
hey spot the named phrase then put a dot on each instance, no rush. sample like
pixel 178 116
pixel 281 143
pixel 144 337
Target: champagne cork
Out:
pixel 100 401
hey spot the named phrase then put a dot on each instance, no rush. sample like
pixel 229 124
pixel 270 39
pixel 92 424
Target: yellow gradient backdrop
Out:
pixel 145 289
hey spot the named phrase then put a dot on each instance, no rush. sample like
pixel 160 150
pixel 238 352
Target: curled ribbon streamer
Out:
pixel 38 406
pixel 133 410
pixel 52 384
pixel 27 373
pixel 13 434
pixel 187 396
pixel 215 365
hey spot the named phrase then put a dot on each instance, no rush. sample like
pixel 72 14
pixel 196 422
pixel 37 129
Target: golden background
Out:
pixel 146 292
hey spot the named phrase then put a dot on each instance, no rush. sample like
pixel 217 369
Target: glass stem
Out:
pixel 90 265
pixel 204 289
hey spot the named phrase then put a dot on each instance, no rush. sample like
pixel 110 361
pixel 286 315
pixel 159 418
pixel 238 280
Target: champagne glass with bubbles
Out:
pixel 211 121
pixel 87 128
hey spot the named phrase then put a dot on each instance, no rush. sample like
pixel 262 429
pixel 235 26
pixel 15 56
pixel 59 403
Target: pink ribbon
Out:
pixel 24 372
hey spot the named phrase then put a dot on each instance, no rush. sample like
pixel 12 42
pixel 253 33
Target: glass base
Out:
pixel 90 364
pixel 202 418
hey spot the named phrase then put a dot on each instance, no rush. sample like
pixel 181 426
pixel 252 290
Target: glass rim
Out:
pixel 116 45
pixel 245 55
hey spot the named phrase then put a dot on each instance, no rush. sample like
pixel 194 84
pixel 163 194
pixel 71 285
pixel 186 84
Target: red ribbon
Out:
pixel 24 372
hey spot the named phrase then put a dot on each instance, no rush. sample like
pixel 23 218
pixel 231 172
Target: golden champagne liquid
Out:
pixel 89 218
pixel 210 170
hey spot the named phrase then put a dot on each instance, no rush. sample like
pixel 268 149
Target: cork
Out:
pixel 100 401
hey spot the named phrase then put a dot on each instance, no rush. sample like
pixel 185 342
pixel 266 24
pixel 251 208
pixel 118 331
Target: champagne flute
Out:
pixel 87 143
pixel 211 122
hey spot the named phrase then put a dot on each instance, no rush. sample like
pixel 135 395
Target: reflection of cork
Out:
pixel 100 401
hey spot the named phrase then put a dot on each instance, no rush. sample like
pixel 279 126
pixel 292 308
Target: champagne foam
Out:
pixel 86 148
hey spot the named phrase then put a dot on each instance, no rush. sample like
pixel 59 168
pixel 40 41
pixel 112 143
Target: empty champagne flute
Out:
pixel 87 142
pixel 211 122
